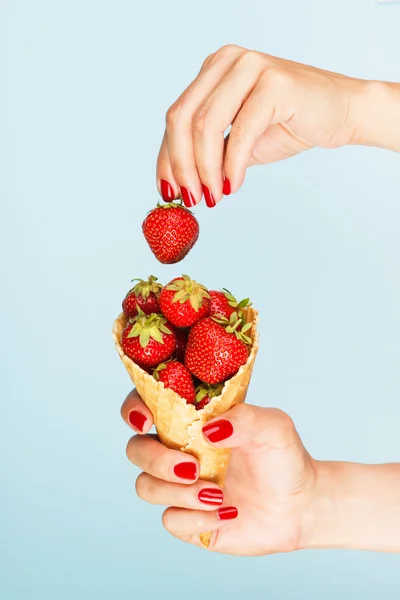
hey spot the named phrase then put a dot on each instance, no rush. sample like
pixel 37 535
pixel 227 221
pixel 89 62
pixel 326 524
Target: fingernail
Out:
pixel 186 470
pixel 167 191
pixel 227 512
pixel 137 420
pixel 226 187
pixel 211 496
pixel 209 198
pixel 187 197
pixel 218 431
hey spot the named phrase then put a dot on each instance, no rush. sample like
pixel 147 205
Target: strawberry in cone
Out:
pixel 205 393
pixel 143 295
pixel 184 301
pixel 177 377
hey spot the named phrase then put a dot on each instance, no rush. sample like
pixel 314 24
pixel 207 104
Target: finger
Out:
pixel 179 124
pixel 136 414
pixel 199 496
pixel 217 112
pixel 147 453
pixel 267 105
pixel 166 184
pixel 247 424
pixel 188 524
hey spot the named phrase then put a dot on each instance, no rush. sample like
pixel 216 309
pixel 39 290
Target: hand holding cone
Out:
pixel 178 423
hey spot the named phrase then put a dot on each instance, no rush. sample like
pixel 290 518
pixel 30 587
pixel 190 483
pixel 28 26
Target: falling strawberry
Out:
pixel 184 301
pixel 176 376
pixel 181 342
pixel 205 393
pixel 216 349
pixel 223 303
pixel 148 340
pixel 171 231
pixel 143 295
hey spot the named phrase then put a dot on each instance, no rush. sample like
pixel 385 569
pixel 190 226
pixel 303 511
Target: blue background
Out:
pixel 84 89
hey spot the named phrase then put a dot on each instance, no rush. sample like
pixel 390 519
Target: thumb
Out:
pixel 248 424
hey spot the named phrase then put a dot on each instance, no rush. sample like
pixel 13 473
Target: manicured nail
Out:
pixel 167 191
pixel 227 187
pixel 137 420
pixel 211 496
pixel 227 512
pixel 187 197
pixel 218 431
pixel 186 470
pixel 209 198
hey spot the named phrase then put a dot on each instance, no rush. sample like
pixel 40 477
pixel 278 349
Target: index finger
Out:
pixel 136 414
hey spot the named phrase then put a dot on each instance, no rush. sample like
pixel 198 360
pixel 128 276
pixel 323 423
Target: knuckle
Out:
pixel 142 486
pixel 167 519
pixel 199 120
pixel 207 61
pixel 238 131
pixel 278 77
pixel 252 58
pixel 174 113
pixel 228 50
pixel 286 429
pixel 178 170
pixel 131 448
pixel 198 522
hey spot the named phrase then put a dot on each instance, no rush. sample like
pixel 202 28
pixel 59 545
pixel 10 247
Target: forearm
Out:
pixel 376 112
pixel 357 507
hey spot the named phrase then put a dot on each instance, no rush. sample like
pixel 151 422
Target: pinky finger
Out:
pixel 166 184
pixel 187 525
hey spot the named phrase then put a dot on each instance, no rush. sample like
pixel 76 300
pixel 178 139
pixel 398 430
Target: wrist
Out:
pixel 376 111
pixel 354 507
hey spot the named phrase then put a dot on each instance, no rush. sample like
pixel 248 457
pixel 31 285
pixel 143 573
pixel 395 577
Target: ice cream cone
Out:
pixel 179 425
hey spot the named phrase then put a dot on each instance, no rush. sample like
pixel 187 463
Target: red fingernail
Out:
pixel 218 431
pixel 227 187
pixel 137 420
pixel 187 197
pixel 227 512
pixel 167 191
pixel 209 198
pixel 211 496
pixel 186 470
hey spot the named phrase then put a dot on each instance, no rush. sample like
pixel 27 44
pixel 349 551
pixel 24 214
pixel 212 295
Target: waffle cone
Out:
pixel 179 425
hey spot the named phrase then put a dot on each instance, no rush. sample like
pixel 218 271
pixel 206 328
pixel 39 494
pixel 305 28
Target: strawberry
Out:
pixel 224 304
pixel 181 342
pixel 175 376
pixel 148 340
pixel 184 301
pixel 171 231
pixel 143 295
pixel 205 393
pixel 216 349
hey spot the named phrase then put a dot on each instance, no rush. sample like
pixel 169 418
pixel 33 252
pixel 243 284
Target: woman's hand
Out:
pixel 270 484
pixel 277 108
pixel 277 498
